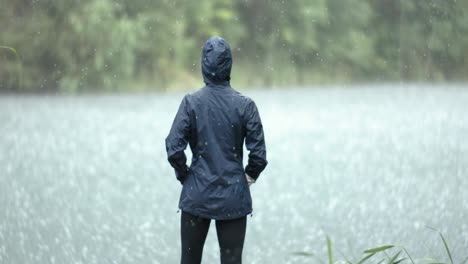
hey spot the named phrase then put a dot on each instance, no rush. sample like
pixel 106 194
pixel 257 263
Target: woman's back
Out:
pixel 215 186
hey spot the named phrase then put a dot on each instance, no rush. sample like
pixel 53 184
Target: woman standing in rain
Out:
pixel 215 120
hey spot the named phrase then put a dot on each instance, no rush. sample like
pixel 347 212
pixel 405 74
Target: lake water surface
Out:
pixel 84 179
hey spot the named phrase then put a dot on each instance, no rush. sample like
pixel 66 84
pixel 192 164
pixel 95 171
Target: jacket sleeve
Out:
pixel 254 142
pixel 177 140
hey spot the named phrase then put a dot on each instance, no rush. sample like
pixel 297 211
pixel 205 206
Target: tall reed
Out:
pixel 380 255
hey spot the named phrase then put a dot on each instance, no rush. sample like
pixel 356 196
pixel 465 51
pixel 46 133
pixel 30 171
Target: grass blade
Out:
pixel 378 249
pixel 330 251
pixel 347 260
pixel 398 261
pixel 408 255
pixel 303 254
pixel 446 248
pixel 432 228
pixel 445 243
pixel 392 260
pixel 366 258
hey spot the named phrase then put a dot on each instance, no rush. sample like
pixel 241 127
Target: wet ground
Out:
pixel 85 179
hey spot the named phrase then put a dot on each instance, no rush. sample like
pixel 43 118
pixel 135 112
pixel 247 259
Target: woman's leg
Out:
pixel 193 230
pixel 231 235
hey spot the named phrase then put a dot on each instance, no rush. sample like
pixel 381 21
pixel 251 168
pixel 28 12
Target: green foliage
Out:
pixel 370 254
pixel 104 54
pixel 104 45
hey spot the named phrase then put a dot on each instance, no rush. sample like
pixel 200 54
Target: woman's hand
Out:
pixel 250 180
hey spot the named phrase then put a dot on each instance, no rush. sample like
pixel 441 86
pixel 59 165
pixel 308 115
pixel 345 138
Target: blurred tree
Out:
pixel 385 19
pixel 105 45
pixel 433 41
pixel 103 53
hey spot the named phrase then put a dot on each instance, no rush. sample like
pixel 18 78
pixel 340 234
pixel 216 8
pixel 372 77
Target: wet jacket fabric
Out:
pixel 214 121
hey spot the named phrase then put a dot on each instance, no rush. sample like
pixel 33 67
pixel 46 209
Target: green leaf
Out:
pixel 378 249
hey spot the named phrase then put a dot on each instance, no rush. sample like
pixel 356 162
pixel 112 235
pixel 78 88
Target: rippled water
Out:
pixel 85 179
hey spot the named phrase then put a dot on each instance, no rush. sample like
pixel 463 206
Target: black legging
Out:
pixel 194 229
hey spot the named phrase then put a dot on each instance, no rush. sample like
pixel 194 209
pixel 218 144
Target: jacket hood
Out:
pixel 216 61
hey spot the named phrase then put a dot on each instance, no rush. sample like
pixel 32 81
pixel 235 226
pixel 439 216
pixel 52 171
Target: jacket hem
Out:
pixel 213 216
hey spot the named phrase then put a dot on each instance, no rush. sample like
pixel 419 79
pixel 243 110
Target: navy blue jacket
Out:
pixel 215 120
